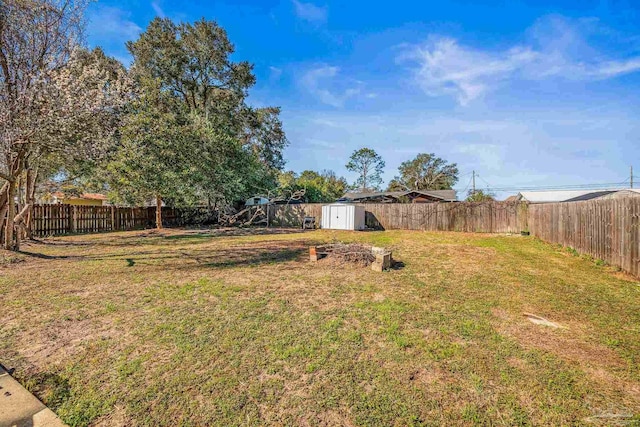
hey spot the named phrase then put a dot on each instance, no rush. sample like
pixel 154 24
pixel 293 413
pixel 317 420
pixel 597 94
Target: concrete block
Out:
pixel 20 408
pixel 384 259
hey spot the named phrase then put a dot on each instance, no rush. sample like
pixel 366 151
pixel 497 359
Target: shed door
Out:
pixel 338 217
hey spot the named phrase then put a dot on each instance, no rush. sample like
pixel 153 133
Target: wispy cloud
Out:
pixel 310 12
pixel 110 27
pixel 445 67
pixel 321 83
pixel 558 48
pixel 274 73
pixel 158 9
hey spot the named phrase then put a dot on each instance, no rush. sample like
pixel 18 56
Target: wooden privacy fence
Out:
pixel 605 229
pixel 49 220
pixel 486 217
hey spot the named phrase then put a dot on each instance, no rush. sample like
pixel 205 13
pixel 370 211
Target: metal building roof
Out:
pixel 563 195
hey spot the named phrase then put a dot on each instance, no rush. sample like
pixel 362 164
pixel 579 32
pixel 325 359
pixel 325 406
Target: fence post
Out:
pixel 74 219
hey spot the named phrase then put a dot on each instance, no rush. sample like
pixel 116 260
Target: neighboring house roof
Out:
pixel 512 198
pixel 593 195
pixel 621 194
pixel 566 195
pixel 88 196
pixel 443 195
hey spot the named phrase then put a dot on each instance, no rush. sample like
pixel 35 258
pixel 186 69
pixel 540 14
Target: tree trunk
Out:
pixel 31 199
pixel 18 223
pixel 4 207
pixel 11 212
pixel 158 212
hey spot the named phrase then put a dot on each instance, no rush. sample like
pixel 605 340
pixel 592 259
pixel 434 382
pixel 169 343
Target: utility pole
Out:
pixel 474 182
pixel 631 175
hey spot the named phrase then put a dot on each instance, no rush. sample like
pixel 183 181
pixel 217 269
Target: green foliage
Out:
pixel 190 137
pixel 480 196
pixel 155 152
pixel 369 166
pixel 319 187
pixel 425 172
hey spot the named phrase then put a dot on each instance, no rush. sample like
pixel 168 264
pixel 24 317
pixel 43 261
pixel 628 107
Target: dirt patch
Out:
pixel 62 340
pixel 116 418
pixel 329 418
pixel 429 376
pixel 565 344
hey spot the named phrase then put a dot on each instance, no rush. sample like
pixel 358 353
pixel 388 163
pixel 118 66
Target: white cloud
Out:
pixel 446 67
pixel 614 68
pixel 112 22
pixel 557 48
pixel 321 82
pixel 310 12
pixel 156 7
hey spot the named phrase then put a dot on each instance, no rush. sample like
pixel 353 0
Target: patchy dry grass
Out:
pixel 238 328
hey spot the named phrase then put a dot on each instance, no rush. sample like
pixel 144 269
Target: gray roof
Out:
pixel 564 195
pixel 444 195
pixel 590 196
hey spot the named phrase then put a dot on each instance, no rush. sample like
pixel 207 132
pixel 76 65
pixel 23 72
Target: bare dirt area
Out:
pixel 239 327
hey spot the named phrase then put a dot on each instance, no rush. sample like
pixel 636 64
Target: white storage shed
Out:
pixel 342 216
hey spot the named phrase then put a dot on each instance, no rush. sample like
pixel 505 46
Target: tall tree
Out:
pixel 53 101
pixel 425 172
pixel 225 149
pixel 369 166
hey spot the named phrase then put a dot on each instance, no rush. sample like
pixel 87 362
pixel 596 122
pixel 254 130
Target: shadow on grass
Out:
pixel 48 257
pixel 153 236
pixel 181 259
pixel 397 265
pixel 248 256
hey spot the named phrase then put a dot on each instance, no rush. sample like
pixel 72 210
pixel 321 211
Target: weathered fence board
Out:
pixel 489 217
pixel 604 229
pixel 53 220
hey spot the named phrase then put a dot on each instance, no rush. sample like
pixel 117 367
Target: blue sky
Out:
pixel 527 93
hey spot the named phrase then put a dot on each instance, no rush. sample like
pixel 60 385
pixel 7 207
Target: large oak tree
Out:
pixel 211 144
pixel 425 172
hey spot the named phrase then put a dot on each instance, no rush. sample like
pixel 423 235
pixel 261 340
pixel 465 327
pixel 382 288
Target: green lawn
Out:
pixel 239 328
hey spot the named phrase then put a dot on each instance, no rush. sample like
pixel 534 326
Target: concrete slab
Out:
pixel 19 408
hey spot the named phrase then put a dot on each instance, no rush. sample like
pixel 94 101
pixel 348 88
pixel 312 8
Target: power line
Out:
pixel 603 186
pixel 489 186
pixel 467 187
pixel 628 182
